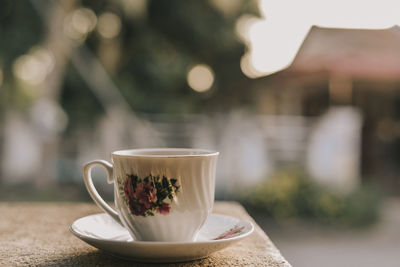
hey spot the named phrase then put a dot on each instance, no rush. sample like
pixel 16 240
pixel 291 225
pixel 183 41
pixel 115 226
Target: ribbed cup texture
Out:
pixel 190 206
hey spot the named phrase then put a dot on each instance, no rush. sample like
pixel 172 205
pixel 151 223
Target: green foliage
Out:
pixel 154 52
pixel 21 28
pixel 291 194
pixel 158 50
pixel 81 104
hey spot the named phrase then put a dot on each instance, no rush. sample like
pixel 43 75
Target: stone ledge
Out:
pixel 36 234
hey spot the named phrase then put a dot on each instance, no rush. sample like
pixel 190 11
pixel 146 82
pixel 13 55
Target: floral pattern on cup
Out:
pixel 149 195
pixel 235 231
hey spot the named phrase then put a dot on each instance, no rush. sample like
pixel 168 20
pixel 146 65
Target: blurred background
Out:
pixel 301 99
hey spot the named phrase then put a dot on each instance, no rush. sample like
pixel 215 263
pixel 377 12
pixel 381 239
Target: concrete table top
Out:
pixel 37 234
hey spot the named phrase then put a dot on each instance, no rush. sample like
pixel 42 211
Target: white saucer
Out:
pixel 218 232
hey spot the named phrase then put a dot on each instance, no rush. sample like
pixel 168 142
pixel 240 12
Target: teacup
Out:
pixel 160 194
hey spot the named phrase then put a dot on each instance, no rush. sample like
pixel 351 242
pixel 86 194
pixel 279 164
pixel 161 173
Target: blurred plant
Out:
pixel 147 47
pixel 291 194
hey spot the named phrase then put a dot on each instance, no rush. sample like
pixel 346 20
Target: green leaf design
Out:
pixel 165 182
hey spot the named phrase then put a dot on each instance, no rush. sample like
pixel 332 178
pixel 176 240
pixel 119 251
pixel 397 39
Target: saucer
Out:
pixel 218 232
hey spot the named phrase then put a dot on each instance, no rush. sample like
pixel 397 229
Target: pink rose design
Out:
pixel 128 189
pixel 137 208
pixel 145 194
pixel 164 209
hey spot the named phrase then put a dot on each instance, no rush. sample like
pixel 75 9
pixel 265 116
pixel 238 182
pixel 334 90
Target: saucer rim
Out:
pixel 166 243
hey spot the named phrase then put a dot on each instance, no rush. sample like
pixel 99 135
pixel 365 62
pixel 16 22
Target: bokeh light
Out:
pixel 49 117
pixel 134 8
pixel 200 78
pixel 109 25
pixel 227 7
pixel 34 67
pixel 79 23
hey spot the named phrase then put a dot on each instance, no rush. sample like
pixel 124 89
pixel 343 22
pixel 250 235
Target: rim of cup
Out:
pixel 165 152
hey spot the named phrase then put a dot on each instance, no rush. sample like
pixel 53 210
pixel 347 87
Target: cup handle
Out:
pixel 87 177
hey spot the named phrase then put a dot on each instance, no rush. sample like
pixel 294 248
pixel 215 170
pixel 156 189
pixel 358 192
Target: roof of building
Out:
pixel 371 54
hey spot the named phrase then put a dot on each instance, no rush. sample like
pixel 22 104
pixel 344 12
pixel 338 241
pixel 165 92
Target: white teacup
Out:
pixel 160 194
